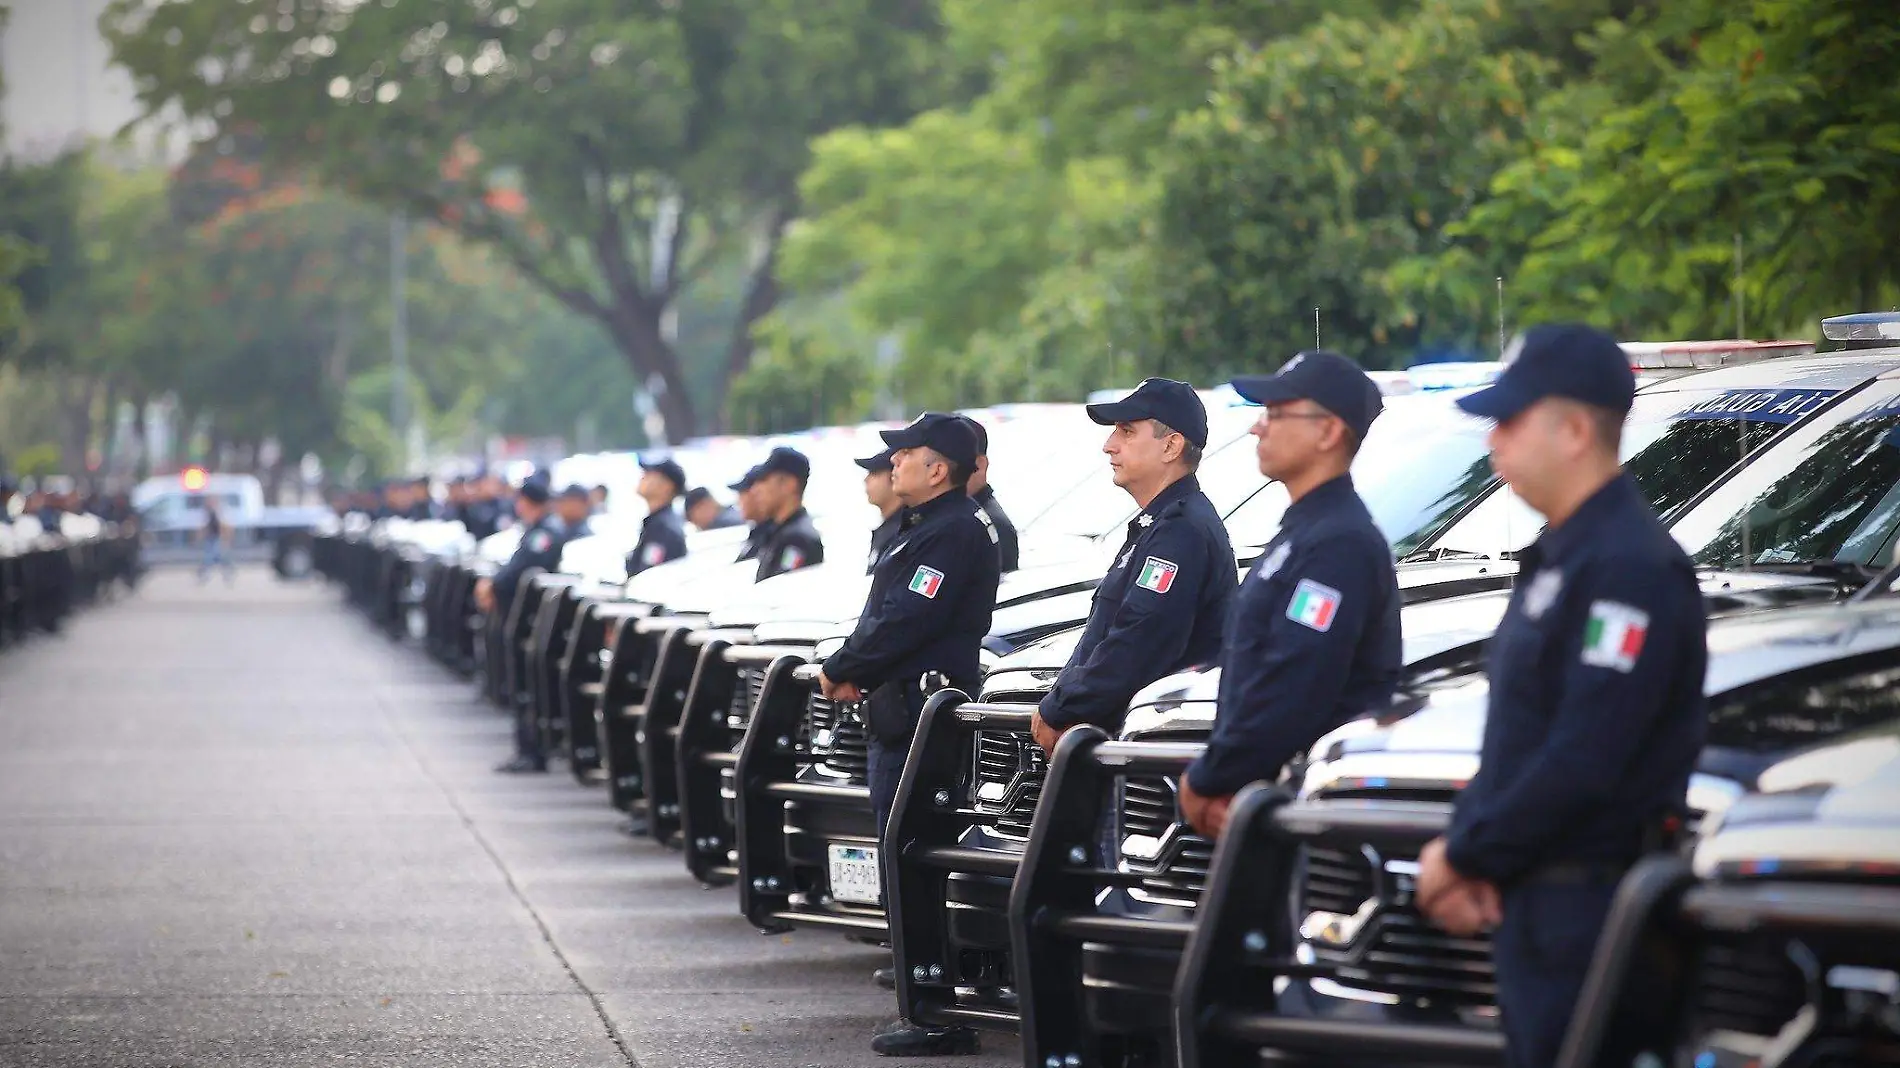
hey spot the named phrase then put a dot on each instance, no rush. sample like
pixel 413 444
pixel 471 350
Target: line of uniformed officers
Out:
pixel 1596 710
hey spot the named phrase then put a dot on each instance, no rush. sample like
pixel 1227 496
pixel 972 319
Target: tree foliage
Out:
pixel 614 153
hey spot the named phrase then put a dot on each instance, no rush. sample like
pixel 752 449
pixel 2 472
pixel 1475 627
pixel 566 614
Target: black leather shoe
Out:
pixel 915 1040
pixel 885 977
pixel 521 765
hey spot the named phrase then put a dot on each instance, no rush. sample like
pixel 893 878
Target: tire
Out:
pixel 294 559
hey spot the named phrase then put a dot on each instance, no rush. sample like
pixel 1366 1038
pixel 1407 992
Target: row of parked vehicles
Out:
pixel 48 571
pixel 1771 937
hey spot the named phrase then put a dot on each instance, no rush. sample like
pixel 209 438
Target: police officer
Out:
pixel 1314 637
pixel 482 516
pixel 878 490
pixel 662 537
pixel 706 513
pixel 1002 531
pixel 923 625
pixel 1164 602
pixel 752 510
pixel 540 547
pixel 1596 707
pixel 793 541
pixel 574 507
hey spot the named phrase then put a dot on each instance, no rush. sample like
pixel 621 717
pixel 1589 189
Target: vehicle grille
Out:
pixel 1752 987
pixel 1407 956
pixel 844 751
pixel 1179 873
pixel 1016 762
pixel 1336 881
pixel 745 693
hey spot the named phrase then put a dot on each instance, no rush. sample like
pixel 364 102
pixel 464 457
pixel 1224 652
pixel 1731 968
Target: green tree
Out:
pixel 1774 123
pixel 1323 164
pixel 614 154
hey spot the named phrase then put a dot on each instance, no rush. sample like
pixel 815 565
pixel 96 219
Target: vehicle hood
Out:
pixel 499 546
pixel 1833 809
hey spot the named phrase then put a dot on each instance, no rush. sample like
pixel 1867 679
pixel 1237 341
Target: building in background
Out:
pixel 61 87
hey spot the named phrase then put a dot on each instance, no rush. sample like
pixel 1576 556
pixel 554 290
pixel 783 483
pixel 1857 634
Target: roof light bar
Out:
pixel 1862 326
pixel 1704 355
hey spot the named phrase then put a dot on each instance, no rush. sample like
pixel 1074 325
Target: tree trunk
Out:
pixel 636 332
pixel 761 296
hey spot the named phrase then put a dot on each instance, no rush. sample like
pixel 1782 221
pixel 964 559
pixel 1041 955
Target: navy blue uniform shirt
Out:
pixel 1596 710
pixel 755 540
pixel 929 607
pixel 1312 643
pixel 791 545
pixel 1162 607
pixel 1002 531
pixel 540 547
pixel 662 538
pixel 882 537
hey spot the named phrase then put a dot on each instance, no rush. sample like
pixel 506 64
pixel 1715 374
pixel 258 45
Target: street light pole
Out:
pixel 399 335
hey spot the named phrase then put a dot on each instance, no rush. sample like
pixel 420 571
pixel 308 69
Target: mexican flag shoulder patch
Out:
pixel 1614 636
pixel 1157 574
pixel 926 582
pixel 1313 605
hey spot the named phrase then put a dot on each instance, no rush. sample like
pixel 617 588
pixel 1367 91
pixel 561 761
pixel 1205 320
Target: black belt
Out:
pixel 1578 872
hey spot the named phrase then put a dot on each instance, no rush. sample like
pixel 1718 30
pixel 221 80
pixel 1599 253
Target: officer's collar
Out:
pixel 938 505
pixel 1171 496
pixel 1585 524
pixel 793 518
pixel 983 495
pixel 1325 495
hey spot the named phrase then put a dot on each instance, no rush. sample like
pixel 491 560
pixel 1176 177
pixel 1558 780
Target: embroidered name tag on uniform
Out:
pixel 1614 636
pixel 1156 574
pixel 1313 605
pixel 926 582
pixel 1542 593
pixel 1271 564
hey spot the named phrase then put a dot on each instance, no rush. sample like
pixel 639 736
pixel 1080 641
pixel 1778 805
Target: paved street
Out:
pixel 239 828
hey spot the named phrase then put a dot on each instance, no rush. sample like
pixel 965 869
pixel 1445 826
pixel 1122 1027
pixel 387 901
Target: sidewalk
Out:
pixel 239 828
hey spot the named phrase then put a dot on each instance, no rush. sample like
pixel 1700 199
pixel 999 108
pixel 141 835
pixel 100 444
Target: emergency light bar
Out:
pixel 1703 355
pixel 1862 326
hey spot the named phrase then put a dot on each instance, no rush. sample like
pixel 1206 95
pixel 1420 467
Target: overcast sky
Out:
pixel 59 84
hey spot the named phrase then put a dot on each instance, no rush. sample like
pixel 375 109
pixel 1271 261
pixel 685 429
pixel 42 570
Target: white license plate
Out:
pixel 855 874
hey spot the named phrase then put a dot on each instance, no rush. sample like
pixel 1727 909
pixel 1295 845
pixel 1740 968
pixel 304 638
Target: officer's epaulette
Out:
pixel 983 516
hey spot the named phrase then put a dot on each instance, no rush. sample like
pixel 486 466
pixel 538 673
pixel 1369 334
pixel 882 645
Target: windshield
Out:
pixel 1096 505
pixel 1676 444
pixel 1830 492
pixel 1421 461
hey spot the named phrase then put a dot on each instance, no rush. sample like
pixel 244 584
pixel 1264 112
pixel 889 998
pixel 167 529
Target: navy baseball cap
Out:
pixel 574 491
pixel 949 436
pixel 697 494
pixel 1568 360
pixel 1328 379
pixel 671 469
pixel 1165 401
pixel 880 462
pixel 982 435
pixel 785 460
pixel 746 480
pixel 535 490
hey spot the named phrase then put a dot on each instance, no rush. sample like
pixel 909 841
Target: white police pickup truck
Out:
pixel 171 513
